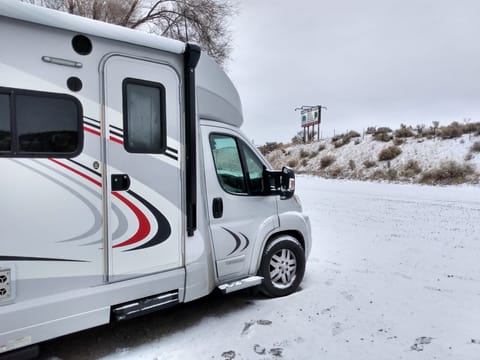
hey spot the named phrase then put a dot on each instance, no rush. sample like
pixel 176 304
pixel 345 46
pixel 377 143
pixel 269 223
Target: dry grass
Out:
pixel 448 173
pixel 326 161
pixel 475 147
pixel 389 153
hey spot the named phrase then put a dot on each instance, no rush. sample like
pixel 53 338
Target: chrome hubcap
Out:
pixel 283 268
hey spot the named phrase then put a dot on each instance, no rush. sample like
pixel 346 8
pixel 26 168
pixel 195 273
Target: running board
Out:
pixel 241 284
pixel 144 306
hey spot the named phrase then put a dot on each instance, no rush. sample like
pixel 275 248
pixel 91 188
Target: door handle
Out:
pixel 217 208
pixel 120 182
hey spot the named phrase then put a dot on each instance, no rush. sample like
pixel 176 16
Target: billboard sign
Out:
pixel 310 116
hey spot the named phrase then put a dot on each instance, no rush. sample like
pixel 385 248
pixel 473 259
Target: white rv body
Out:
pixel 102 226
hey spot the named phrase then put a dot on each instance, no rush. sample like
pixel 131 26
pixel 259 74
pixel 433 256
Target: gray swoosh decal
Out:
pixel 122 227
pixel 97 225
pixel 237 240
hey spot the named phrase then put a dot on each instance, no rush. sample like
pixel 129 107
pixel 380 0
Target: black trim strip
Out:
pixel 28 258
pixel 171 156
pixel 116 128
pixel 190 58
pixel 91 119
pixel 172 150
pixel 237 240
pixel 116 134
pixel 163 231
pixel 85 167
pixel 92 125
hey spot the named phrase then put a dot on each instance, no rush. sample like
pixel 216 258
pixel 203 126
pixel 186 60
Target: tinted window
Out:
pixel 254 169
pixel 144 117
pixel 5 132
pixel 227 163
pixel 39 124
pixel 46 124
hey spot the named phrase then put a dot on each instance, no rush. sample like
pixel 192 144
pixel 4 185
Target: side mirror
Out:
pixel 288 183
pixel 279 182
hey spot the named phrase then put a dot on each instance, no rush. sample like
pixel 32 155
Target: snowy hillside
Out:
pixel 414 159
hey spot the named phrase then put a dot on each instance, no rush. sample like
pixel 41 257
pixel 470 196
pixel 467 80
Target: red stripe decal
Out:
pixel 144 225
pixel 96 182
pixel 116 140
pixel 91 131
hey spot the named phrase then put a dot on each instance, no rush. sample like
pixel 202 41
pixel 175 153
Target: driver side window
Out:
pixel 238 168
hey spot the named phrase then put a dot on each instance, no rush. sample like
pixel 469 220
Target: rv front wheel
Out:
pixel 282 267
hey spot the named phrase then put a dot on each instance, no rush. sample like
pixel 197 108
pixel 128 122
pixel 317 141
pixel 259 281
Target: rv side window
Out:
pixel 5 126
pixel 39 124
pixel 228 164
pixel 144 116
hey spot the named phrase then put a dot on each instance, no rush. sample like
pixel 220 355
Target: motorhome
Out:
pixel 126 183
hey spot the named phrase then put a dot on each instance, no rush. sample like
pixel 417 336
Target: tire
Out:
pixel 282 266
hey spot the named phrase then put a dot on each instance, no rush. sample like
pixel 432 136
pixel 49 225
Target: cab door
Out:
pixel 142 166
pixel 239 214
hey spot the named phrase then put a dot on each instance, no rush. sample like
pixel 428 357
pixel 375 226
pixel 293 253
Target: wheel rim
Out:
pixel 283 268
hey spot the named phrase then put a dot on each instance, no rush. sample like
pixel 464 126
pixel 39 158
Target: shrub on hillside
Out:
pixel 404 132
pixel 326 161
pixel 471 128
pixel 448 173
pixel 304 154
pixel 475 147
pixel 351 164
pixel 383 134
pixel 451 131
pixel 389 153
pixel 370 130
pixel 390 174
pixel 321 147
pixel 341 142
pixel 411 169
pixel 369 164
pixel 344 139
pixel 398 141
pixel 336 172
pixel 353 134
pixel 269 147
pixel 292 163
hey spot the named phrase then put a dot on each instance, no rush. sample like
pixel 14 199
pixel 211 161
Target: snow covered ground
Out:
pixel 394 274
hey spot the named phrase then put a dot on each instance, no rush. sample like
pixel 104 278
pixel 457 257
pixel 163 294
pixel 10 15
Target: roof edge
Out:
pixel 58 19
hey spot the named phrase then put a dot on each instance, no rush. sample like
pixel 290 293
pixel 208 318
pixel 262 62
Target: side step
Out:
pixel 144 306
pixel 241 284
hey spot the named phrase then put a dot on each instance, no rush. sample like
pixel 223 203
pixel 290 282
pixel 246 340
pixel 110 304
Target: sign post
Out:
pixel 310 116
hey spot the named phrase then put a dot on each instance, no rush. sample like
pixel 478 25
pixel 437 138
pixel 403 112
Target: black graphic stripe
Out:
pixel 91 119
pixel 172 150
pixel 171 156
pixel 85 167
pixel 28 258
pixel 163 231
pixel 116 133
pixel 116 128
pixel 247 241
pixel 237 240
pixel 92 125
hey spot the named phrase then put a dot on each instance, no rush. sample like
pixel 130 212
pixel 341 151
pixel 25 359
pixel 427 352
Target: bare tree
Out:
pixel 202 21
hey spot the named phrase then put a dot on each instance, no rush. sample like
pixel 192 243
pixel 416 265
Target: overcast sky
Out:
pixel 371 62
